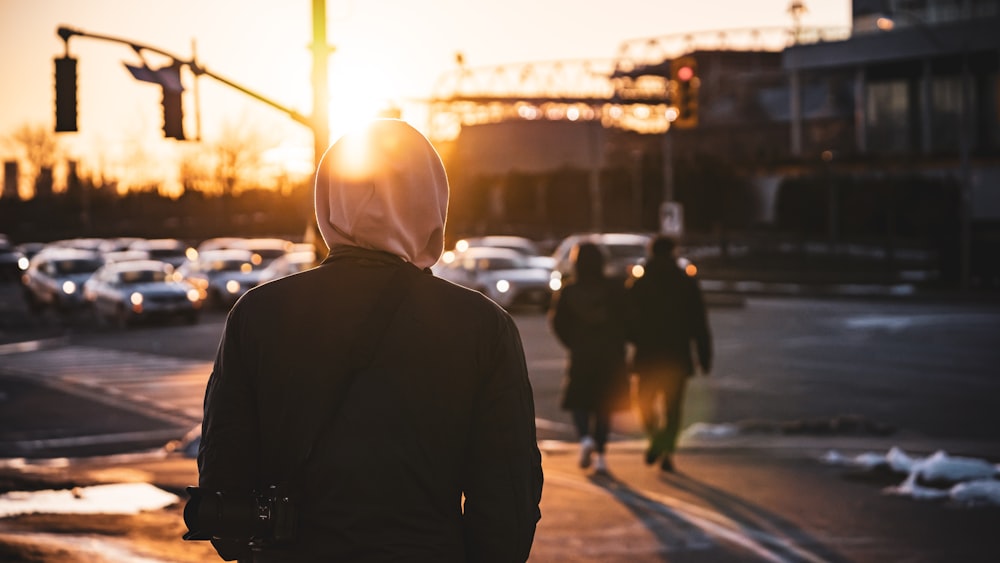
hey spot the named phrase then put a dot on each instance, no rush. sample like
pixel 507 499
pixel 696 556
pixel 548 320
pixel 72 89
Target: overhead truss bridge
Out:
pixel 630 91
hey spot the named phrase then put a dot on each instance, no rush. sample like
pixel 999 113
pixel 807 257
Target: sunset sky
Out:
pixel 385 50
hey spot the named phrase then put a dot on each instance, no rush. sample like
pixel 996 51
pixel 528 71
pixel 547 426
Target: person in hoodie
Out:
pixel 588 318
pixel 432 453
pixel 667 318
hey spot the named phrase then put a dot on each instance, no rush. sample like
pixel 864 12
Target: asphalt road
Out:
pixel 920 373
pixel 925 369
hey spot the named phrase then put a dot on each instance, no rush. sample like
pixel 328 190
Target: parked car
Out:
pixel 524 245
pixel 55 277
pixel 266 248
pixel 625 255
pixel 125 255
pixel 504 275
pixel 222 276
pixel 622 253
pixel 30 249
pixel 170 250
pixel 13 262
pixel 217 243
pixel 132 290
pixel 92 244
pixel 288 264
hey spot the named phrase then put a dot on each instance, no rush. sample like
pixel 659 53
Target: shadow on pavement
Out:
pixel 780 536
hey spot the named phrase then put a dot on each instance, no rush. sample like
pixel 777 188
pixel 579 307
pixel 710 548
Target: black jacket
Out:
pixel 666 315
pixel 588 317
pixel 444 410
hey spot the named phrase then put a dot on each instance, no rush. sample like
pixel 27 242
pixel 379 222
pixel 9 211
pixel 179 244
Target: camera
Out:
pixel 260 518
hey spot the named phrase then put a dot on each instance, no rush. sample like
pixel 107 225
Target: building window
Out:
pixel 888 117
pixel 946 112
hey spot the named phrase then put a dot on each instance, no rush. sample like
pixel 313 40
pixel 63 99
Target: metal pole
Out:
pixel 668 166
pixel 965 177
pixel 66 33
pixel 320 121
pixel 197 95
pixel 321 95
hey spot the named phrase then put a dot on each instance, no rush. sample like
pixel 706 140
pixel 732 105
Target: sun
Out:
pixel 359 91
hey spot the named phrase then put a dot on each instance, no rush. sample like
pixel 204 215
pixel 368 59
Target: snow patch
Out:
pixel 964 480
pixel 120 498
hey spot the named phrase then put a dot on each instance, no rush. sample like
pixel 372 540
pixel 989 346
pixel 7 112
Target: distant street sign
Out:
pixel 672 219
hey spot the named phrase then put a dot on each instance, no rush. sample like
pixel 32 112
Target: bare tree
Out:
pixel 195 172
pixel 37 146
pixel 238 154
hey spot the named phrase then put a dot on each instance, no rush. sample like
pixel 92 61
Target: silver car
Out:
pixel 222 276
pixel 504 275
pixel 132 290
pixel 623 253
pixel 55 277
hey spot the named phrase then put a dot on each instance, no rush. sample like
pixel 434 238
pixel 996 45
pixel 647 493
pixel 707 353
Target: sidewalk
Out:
pixel 740 499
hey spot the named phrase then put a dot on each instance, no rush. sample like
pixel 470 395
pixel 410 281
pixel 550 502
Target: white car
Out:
pixel 524 245
pixel 55 278
pixel 127 291
pixel 288 264
pixel 504 275
pixel 170 250
pixel 222 276
pixel 266 248
pixel 623 253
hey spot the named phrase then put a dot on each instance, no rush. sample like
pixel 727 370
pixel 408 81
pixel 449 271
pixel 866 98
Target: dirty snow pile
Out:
pixel 967 481
pixel 120 498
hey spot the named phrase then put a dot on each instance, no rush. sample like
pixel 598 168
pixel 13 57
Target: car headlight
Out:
pixel 22 263
pixel 638 270
pixel 68 287
pixel 193 295
pixel 136 300
pixel 555 284
pixel 503 286
pixel 233 286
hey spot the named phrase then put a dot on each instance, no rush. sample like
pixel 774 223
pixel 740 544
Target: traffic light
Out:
pixel 169 79
pixel 173 106
pixel 684 74
pixel 65 94
pixel 173 115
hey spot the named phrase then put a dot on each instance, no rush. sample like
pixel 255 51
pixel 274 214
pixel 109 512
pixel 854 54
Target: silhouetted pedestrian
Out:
pixel 588 317
pixel 666 317
pixel 396 406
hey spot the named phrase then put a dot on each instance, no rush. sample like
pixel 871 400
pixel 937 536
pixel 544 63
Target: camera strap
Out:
pixel 366 343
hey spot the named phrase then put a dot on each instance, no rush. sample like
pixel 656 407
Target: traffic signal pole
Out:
pixel 318 122
pixel 66 33
pixel 320 114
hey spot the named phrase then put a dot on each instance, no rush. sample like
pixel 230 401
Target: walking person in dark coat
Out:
pixel 666 316
pixel 443 412
pixel 588 317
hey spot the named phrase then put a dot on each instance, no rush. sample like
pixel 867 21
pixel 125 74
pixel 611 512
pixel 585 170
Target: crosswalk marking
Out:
pixel 170 387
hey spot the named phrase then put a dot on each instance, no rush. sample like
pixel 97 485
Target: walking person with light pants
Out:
pixel 666 320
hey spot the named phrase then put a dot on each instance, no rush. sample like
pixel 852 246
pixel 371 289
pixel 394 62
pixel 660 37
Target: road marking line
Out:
pixel 28 346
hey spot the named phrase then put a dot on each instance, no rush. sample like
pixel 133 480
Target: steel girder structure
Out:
pixel 632 91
